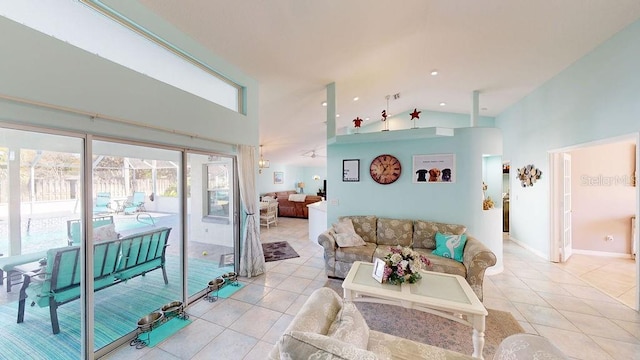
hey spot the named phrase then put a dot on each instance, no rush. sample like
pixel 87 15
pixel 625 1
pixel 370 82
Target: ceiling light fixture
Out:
pixel 262 163
pixel 324 103
pixel 434 72
pixel 337 115
pixel 356 98
pixel 443 103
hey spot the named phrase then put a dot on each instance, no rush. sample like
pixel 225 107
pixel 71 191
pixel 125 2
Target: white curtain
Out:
pixel 251 254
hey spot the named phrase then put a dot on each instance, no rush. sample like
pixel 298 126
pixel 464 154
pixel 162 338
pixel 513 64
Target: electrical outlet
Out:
pixel 609 238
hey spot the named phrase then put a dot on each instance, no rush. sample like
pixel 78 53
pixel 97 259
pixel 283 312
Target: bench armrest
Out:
pixel 476 258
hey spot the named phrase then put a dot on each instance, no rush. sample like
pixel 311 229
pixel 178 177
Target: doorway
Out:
pixel 593 200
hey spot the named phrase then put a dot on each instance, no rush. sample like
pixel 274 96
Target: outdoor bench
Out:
pixel 114 261
pixel 8 264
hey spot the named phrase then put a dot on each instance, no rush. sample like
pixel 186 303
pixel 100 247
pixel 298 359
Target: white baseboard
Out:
pixel 534 251
pixel 602 253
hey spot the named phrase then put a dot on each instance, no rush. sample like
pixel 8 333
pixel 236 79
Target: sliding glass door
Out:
pixel 212 213
pixel 143 197
pixel 40 193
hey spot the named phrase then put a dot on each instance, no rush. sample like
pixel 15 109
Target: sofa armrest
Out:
pixel 316 316
pixel 328 241
pixel 476 258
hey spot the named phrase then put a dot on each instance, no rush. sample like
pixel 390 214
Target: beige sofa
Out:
pixel 328 328
pixel 380 233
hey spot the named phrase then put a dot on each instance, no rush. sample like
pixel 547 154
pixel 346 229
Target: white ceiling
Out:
pixel 373 48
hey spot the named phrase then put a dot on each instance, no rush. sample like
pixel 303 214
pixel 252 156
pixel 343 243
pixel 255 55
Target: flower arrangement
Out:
pixel 403 264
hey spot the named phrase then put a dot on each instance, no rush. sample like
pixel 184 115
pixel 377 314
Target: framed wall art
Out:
pixel 351 170
pixel 278 177
pixel 436 168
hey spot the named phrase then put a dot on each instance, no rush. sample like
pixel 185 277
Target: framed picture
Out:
pixel 436 168
pixel 378 270
pixel 278 177
pixel 351 170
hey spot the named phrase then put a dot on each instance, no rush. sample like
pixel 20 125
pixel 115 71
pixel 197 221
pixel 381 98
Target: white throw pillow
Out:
pixel 346 235
pixel 105 233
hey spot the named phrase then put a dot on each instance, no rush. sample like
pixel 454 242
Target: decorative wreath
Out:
pixel 528 175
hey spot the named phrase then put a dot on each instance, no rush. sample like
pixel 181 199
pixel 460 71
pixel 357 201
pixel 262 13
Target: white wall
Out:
pixel 603 198
pixel 40 68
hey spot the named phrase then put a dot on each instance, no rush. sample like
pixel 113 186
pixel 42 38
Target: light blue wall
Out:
pixel 427 119
pixel 595 98
pixel 292 175
pixel 459 202
pixel 41 68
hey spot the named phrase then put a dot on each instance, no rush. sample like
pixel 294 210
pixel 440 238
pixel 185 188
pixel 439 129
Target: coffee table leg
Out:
pixel 347 294
pixel 478 336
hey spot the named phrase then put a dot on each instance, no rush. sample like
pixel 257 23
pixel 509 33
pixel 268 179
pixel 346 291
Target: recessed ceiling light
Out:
pixel 337 115
pixel 366 119
pixel 434 72
pixel 324 103
pixel 356 98
pixel 443 103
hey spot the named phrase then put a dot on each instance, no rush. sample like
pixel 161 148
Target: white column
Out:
pixel 331 110
pixel 475 102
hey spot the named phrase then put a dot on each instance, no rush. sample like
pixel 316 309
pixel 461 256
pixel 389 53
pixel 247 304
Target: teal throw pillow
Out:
pixel 450 246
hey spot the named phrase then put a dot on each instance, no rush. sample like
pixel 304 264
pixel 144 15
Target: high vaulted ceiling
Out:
pixel 374 48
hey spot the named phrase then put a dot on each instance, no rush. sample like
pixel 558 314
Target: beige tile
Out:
pixel 278 328
pixel 294 284
pixel 227 312
pixel 252 293
pixel 297 304
pixel 256 321
pixel 307 272
pixel 278 300
pixel 270 279
pixel 197 334
pixel 632 327
pixel 545 286
pixel 618 349
pixel 526 296
pixel 541 315
pixel 615 310
pixel 229 345
pixel 259 351
pixel 574 344
pixel 598 326
pixel 562 302
pixel 157 353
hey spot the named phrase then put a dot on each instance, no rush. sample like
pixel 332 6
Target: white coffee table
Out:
pixel 445 295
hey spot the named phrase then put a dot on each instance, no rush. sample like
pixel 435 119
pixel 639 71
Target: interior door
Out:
pixel 566 208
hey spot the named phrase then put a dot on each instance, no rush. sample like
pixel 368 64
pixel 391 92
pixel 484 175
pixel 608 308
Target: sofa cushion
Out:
pixel 349 326
pixel 345 234
pixel 356 253
pixel 424 232
pixel 365 226
pixel 442 264
pixel 450 246
pixel 395 232
pixel 307 345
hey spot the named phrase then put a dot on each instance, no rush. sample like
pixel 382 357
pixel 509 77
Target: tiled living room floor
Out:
pixel 546 298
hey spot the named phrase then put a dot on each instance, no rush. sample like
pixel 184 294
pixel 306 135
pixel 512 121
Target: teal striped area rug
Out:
pixel 117 311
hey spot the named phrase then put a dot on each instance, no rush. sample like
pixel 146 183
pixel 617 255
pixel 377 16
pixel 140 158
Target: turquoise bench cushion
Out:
pixel 10 262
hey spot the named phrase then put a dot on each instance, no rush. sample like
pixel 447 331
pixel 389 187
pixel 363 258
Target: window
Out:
pixel 218 191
